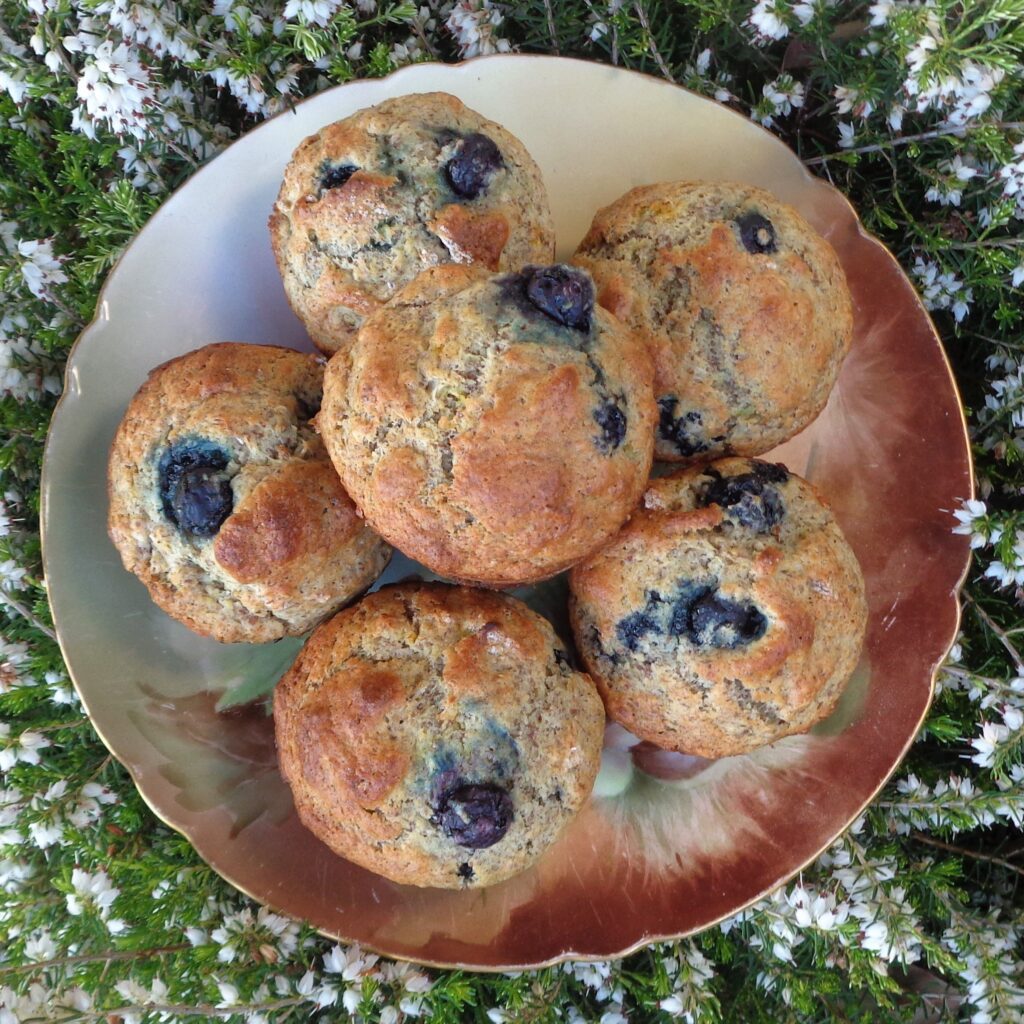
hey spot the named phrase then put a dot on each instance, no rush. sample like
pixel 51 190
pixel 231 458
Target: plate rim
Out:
pixel 811 181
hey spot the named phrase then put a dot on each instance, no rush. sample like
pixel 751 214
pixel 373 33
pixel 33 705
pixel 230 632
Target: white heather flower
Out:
pixel 14 875
pixel 703 62
pixel 23 748
pixel 881 11
pixel 314 12
pixel 918 54
pixel 1013 718
pixel 114 87
pixel 1017 276
pixel 39 268
pixel 116 926
pixel 264 930
pixel 993 735
pixel 14 84
pixel 474 25
pixel 59 692
pixel 767 20
pixel 971 512
pixel 196 936
pixel 942 289
pixel 40 946
pixel 846 135
pixel 228 994
pixel 804 12
pixel 91 892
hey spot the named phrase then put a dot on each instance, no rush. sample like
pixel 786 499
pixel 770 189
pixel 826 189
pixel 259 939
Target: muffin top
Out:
pixel 497 428
pixel 437 735
pixel 728 613
pixel 224 503
pixel 416 181
pixel 745 307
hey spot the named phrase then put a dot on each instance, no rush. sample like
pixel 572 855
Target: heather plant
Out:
pixel 914 110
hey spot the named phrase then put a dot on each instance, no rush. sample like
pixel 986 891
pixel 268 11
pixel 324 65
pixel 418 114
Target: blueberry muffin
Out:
pixel 497 428
pixel 728 613
pixel 224 503
pixel 417 181
pixel 437 735
pixel 744 305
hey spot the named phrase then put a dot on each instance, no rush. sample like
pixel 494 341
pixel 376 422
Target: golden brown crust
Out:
pixel 416 691
pixel 746 345
pixel 345 250
pixel 467 428
pixel 632 613
pixel 292 549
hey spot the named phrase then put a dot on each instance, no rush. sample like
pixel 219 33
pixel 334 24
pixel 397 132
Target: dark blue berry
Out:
pixel 195 489
pixel 748 498
pixel 476 160
pixel 564 293
pixel 757 233
pixel 612 421
pixel 633 628
pixel 335 177
pixel 685 432
pixel 475 816
pixel 687 592
pixel 715 621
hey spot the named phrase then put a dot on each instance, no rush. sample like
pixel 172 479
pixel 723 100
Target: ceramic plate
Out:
pixel 666 846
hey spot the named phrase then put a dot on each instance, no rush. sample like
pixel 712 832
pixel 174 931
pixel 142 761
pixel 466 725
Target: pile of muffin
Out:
pixel 495 416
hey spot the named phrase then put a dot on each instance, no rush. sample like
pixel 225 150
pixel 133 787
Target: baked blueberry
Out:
pixel 757 233
pixel 685 432
pixel 612 421
pixel 564 293
pixel 633 628
pixel 474 164
pixel 715 621
pixel 475 816
pixel 747 498
pixel 195 489
pixel 335 177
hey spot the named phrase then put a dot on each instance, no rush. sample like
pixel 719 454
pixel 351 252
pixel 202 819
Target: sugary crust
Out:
pixel 464 428
pixel 293 549
pixel 344 251
pixel 751 343
pixel 417 688
pixel 712 701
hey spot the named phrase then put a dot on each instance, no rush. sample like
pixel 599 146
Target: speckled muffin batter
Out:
pixel 224 503
pixel 744 305
pixel 497 428
pixel 416 181
pixel 437 735
pixel 728 613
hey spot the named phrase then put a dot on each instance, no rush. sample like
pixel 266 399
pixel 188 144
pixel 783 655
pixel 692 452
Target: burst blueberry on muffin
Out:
pixel 224 503
pixel 416 181
pixel 728 613
pixel 497 428
pixel 743 304
pixel 437 735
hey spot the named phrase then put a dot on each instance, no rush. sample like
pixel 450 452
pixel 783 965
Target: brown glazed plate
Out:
pixel 668 845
